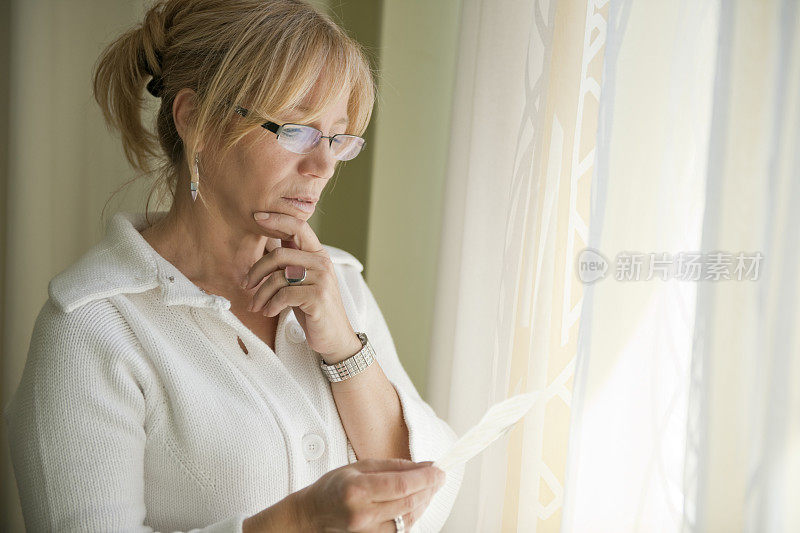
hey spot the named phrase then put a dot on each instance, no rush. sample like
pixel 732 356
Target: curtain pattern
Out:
pixel 547 294
pixel 526 202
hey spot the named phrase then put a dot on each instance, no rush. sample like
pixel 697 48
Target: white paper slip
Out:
pixel 497 421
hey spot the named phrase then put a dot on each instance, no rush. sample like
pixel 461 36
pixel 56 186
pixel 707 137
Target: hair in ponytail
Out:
pixel 265 55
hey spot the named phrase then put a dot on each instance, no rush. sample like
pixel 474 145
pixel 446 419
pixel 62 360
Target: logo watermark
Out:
pixel 683 266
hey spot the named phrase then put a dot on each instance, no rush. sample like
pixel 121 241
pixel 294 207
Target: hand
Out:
pixel 367 495
pixel 316 302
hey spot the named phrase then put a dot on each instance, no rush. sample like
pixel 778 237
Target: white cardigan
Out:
pixel 139 411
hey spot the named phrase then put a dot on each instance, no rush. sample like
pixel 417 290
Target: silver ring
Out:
pixel 295 281
pixel 399 524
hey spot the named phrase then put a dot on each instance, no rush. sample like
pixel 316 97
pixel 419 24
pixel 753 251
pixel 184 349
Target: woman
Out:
pixel 183 373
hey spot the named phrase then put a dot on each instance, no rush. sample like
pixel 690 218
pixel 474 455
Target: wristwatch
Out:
pixel 351 366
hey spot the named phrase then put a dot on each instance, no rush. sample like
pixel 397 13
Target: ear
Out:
pixel 183 114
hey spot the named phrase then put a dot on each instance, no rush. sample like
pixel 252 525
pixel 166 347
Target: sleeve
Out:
pixel 76 425
pixel 429 436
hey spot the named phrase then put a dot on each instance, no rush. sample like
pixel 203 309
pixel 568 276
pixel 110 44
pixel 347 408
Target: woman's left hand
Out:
pixel 322 315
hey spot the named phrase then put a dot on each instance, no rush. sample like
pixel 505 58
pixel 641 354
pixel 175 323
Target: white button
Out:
pixel 295 332
pixel 313 446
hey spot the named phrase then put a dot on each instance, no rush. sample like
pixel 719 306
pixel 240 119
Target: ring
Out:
pixel 295 281
pixel 399 523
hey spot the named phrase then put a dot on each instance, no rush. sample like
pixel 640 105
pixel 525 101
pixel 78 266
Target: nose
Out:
pixel 319 162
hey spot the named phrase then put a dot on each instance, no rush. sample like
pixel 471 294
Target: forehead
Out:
pixel 324 88
pixel 337 113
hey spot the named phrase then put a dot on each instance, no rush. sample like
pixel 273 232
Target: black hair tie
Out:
pixel 156 86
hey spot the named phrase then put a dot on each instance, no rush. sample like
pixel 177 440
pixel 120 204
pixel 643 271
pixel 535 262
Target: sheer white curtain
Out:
pixel 685 419
pixel 518 191
pixel 663 131
pixel 629 422
pixel 746 361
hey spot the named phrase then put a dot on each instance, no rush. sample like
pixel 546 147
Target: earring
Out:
pixel 196 181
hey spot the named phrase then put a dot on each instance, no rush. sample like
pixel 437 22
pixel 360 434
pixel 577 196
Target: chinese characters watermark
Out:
pixel 683 266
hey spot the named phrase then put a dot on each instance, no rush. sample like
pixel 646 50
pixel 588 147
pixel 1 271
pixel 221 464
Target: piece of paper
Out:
pixel 497 421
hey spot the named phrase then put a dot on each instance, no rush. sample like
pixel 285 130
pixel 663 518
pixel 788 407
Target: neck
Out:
pixel 209 245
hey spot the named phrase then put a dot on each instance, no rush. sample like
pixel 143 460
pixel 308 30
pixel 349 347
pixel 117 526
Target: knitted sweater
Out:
pixel 138 410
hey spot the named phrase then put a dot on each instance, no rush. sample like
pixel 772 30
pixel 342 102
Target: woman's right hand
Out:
pixel 367 495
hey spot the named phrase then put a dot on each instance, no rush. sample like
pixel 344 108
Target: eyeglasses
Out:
pixel 302 139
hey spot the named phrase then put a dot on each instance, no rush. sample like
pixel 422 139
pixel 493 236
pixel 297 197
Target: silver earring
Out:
pixel 196 181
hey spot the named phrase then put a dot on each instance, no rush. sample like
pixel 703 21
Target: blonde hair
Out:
pixel 265 55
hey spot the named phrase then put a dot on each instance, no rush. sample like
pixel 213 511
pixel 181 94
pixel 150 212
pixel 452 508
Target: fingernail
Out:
pixel 260 215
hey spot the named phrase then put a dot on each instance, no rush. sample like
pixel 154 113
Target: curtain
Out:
pixel 518 194
pixel 620 233
pixel 745 432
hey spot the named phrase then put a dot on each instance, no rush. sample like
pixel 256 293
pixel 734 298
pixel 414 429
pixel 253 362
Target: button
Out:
pixel 313 446
pixel 220 302
pixel 295 332
pixel 172 279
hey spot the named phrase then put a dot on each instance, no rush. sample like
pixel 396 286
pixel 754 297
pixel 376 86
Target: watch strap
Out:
pixel 353 365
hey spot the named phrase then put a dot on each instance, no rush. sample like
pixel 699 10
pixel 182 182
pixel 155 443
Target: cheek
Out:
pixel 262 166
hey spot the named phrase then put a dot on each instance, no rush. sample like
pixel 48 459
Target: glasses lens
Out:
pixel 298 138
pixel 346 147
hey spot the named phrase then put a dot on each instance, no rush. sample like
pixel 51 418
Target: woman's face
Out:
pixel 259 174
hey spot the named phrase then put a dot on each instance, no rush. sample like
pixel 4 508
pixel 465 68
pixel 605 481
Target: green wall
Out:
pixel 343 212
pixel 386 208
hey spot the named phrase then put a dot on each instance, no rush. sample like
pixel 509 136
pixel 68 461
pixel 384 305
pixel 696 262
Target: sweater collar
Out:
pixel 124 262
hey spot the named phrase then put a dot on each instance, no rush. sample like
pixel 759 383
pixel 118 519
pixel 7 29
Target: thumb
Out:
pixel 384 465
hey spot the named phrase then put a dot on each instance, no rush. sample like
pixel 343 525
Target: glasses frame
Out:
pixel 278 128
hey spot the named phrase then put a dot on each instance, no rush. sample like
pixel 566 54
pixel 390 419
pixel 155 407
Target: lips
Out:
pixel 303 199
pixel 302 205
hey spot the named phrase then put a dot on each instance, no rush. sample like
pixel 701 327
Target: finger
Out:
pixel 281 258
pixel 302 296
pixel 293 271
pixel 384 465
pixel 387 486
pixel 275 282
pixel 387 527
pixel 287 227
pixel 405 506
pixel 409 519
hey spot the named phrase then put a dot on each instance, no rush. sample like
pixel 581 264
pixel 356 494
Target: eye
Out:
pixel 291 131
